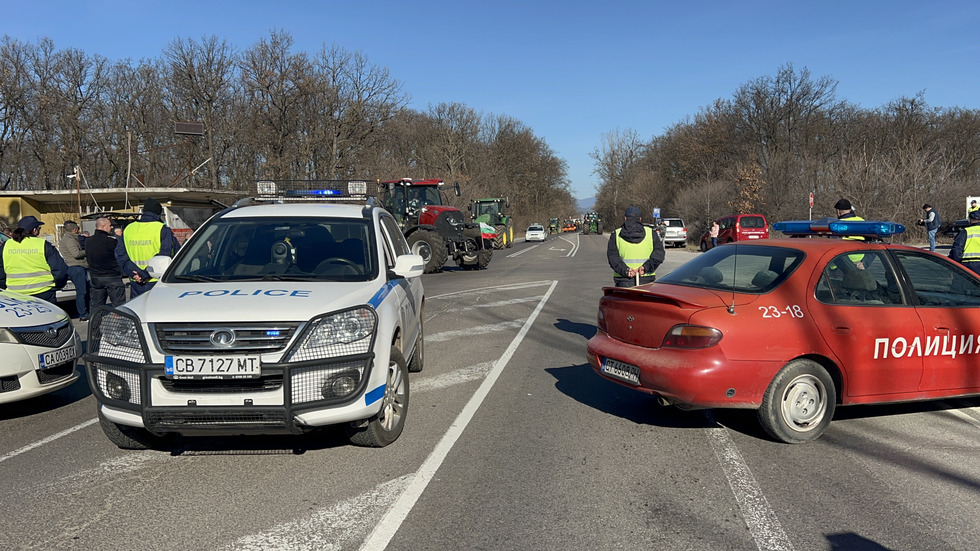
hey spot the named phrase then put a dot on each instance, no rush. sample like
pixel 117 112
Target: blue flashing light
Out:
pixel 881 229
pixel 839 228
pixel 272 333
pixel 793 227
pixel 314 192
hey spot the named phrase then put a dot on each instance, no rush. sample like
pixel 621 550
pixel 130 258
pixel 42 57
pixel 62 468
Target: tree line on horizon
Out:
pixel 268 112
pixel 780 138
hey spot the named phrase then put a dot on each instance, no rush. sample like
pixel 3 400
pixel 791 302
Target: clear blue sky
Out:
pixel 571 70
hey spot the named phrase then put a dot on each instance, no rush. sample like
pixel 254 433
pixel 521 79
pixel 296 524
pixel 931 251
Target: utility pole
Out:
pixel 78 189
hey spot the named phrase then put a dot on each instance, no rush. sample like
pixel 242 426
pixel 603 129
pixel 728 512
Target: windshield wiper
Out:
pixel 196 278
pixel 287 277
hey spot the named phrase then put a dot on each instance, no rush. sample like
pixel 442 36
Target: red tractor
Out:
pixel 434 230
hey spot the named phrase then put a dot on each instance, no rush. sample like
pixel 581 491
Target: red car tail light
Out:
pixel 691 336
pixel 601 320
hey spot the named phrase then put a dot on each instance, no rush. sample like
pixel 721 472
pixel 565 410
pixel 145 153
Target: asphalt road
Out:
pixel 511 443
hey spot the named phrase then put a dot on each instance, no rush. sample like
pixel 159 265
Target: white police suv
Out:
pixel 273 318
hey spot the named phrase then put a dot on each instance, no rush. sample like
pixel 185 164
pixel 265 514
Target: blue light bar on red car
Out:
pixel 839 228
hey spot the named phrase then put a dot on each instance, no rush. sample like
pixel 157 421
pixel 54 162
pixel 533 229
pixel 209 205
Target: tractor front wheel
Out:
pixel 429 245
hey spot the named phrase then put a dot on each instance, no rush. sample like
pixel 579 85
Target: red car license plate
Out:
pixel 622 371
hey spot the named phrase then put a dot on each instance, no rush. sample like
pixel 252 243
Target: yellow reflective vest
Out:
pixel 27 269
pixel 635 254
pixel 971 250
pixel 142 240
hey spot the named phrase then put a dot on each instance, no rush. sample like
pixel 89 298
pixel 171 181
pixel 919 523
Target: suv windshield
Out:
pixel 315 249
pixel 742 268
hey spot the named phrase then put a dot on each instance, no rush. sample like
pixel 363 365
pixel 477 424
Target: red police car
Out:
pixel 796 327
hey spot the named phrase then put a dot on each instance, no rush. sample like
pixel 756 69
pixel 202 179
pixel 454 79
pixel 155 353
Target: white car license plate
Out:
pixel 213 367
pixel 58 357
pixel 620 370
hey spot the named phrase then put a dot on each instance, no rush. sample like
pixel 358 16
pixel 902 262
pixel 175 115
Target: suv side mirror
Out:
pixel 409 265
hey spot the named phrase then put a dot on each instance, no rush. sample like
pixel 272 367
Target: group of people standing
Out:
pixel 635 250
pixel 95 264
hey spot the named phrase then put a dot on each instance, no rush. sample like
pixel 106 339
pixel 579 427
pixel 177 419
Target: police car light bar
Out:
pixel 311 189
pixel 839 228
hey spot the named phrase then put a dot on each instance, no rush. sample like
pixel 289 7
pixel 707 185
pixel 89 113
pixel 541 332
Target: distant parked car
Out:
pixel 535 232
pixel 738 227
pixel 675 233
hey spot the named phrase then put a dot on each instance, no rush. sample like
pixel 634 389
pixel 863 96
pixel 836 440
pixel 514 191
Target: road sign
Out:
pixel 811 200
pixel 656 212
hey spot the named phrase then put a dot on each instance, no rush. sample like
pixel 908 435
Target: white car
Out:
pixel 273 318
pixel 535 232
pixel 39 347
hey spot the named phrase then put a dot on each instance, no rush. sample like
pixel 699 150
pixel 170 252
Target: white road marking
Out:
pixel 44 441
pixel 470 331
pixel 497 304
pixel 509 287
pixel 336 527
pixel 758 515
pixel 116 466
pixel 964 416
pixel 393 520
pixel 454 377
pixel 522 251
pixel 574 245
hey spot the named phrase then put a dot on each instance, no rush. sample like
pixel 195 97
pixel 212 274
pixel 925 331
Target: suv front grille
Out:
pixel 259 384
pixel 163 421
pixel 201 338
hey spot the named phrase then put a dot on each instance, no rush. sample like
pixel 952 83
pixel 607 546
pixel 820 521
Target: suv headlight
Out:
pixel 117 336
pixel 344 333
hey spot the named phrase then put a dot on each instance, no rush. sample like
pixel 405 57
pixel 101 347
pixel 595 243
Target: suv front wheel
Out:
pixel 387 425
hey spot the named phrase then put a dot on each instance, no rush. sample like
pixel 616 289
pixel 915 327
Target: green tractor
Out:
pixel 592 224
pixel 554 226
pixel 493 212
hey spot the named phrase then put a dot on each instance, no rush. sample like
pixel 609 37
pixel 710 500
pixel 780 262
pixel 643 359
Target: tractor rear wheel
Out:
pixel 500 240
pixel 510 235
pixel 429 245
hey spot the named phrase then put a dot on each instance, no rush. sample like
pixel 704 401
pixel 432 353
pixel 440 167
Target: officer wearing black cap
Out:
pixel 634 249
pixel 966 246
pixel 31 265
pixel 141 241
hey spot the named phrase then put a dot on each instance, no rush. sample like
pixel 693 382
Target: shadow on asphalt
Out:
pixel 586 330
pixel 77 391
pixel 581 383
pixel 320 439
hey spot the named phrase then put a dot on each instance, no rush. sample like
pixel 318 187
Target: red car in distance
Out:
pixel 795 327
pixel 737 227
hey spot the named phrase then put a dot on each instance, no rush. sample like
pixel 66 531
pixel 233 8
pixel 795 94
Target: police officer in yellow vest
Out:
pixel 966 246
pixel 634 249
pixel 845 212
pixel 31 265
pixel 141 241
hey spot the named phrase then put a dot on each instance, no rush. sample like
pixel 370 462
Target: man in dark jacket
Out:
pixel 931 221
pixel 141 241
pixel 634 250
pixel 100 251
pixel 31 265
